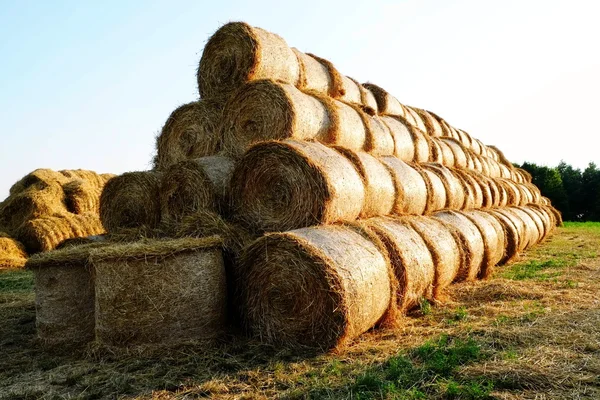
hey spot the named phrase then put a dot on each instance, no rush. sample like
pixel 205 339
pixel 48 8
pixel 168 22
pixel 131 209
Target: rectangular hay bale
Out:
pixel 160 291
pixel 64 296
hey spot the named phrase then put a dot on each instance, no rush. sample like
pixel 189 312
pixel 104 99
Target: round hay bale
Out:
pixel 380 139
pixel 159 291
pixel 35 201
pixel 525 176
pixel 502 192
pixel 441 240
pixel 513 234
pixel 512 191
pixel 12 253
pixel 279 186
pixel 318 287
pixel 386 103
pixel 194 185
pixel 422 145
pixel 436 191
pixel 458 152
pixel 404 146
pixel 471 241
pixel 446 152
pixel 436 153
pixel 505 171
pixel 267 110
pixel 525 226
pixel 237 53
pixel 410 258
pixel 131 200
pixel 39 179
pixel 455 194
pixel 496 195
pixel 379 184
pixel 537 220
pixel 534 191
pixel 411 189
pixel 474 194
pixel 419 124
pixel 494 240
pixel 432 126
pixel 476 160
pixel 81 196
pixel 191 131
pixel 534 226
pixel 44 234
pixel 544 216
pixel 545 201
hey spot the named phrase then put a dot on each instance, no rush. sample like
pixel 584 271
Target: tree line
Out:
pixel 575 193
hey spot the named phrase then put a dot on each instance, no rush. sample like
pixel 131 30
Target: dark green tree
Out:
pixel 590 193
pixel 572 183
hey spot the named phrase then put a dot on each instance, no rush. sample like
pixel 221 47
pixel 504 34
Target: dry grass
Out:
pixel 530 331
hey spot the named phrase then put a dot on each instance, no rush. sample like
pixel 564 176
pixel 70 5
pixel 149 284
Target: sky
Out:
pixel 90 84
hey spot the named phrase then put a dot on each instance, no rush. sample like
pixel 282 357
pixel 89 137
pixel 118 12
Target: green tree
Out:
pixel 572 183
pixel 590 194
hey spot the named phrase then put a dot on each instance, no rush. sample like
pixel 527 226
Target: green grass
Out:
pixel 594 226
pixel 534 269
pixel 430 369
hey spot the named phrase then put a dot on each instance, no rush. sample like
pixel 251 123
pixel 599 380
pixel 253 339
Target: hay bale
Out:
pixel 433 127
pixel 537 220
pixel 79 241
pixel 471 241
pixel 379 184
pixel 436 191
pixel 404 145
pixel 264 110
pixel 505 171
pixel 35 201
pixel 526 228
pixel 318 287
pixel 279 186
pixel 473 192
pixel 418 121
pixel 12 253
pixel 512 233
pixel 64 296
pixel 386 103
pixel 159 291
pixel 38 179
pixel 411 189
pixel 237 53
pixel 194 185
pixel 410 259
pixel 82 196
pixel 494 240
pixel 445 151
pixel 513 193
pixel 131 200
pixel 44 234
pixel 502 192
pixel 546 218
pixel 441 240
pixel 455 193
pixel 534 227
pixel 191 131
pixel 458 152
pixel 436 153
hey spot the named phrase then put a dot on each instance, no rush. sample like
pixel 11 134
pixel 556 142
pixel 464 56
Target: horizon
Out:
pixel 90 86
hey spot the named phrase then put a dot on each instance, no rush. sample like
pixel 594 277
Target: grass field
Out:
pixel 531 331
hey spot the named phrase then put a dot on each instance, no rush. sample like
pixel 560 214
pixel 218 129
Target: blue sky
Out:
pixel 89 84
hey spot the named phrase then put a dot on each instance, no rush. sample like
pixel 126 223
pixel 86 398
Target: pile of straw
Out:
pixel 12 253
pixel 44 234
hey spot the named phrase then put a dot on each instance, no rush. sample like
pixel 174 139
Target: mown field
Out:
pixel 531 331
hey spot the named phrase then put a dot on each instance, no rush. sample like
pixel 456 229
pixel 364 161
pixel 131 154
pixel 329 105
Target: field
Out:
pixel 531 331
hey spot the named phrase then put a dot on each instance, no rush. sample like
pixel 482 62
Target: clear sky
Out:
pixel 89 84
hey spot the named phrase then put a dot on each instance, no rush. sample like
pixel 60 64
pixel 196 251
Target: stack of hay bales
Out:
pixel 47 207
pixel 338 207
